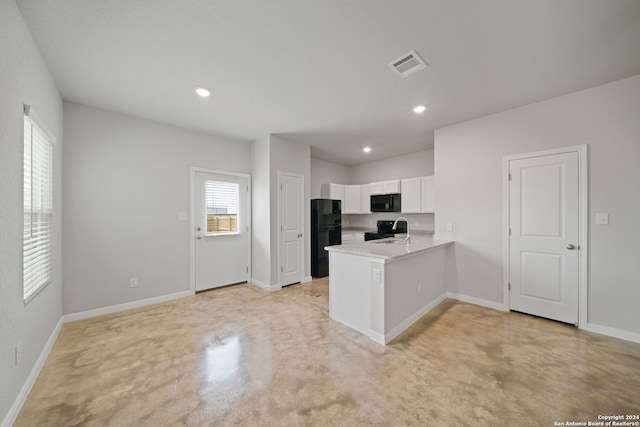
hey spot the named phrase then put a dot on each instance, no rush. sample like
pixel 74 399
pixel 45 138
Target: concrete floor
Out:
pixel 243 356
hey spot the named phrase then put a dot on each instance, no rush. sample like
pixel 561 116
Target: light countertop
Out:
pixel 391 251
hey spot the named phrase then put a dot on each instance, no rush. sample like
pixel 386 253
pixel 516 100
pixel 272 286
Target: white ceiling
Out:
pixel 316 70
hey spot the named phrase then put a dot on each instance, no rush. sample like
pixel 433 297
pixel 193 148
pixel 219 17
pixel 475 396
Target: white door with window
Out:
pixel 221 228
pixel 544 241
pixel 291 219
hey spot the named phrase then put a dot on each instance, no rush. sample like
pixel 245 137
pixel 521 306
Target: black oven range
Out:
pixel 385 230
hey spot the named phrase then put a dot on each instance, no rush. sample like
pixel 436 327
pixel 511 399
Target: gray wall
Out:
pixel 261 211
pixel 468 169
pixel 407 166
pixel 270 155
pixel 323 172
pixel 294 157
pixel 24 78
pixel 126 180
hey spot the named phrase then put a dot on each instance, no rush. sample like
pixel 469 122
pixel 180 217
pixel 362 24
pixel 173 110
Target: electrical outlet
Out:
pixel 602 219
pixel 133 282
pixel 449 226
pixel 419 288
pixel 377 275
pixel 417 224
pixel 18 353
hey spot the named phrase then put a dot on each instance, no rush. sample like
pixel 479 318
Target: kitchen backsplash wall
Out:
pixel 417 222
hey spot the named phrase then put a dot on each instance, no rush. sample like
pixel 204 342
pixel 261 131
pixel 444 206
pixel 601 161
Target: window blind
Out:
pixel 221 203
pixel 38 208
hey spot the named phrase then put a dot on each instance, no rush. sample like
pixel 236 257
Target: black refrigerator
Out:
pixel 326 230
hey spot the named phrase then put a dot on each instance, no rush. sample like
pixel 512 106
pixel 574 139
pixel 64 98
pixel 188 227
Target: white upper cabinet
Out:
pixel 385 187
pixel 351 203
pixel 391 187
pixel 365 198
pixel 428 202
pixel 376 188
pixel 332 191
pixel 411 195
pixel 418 194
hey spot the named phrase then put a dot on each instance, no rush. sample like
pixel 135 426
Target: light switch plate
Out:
pixel 602 219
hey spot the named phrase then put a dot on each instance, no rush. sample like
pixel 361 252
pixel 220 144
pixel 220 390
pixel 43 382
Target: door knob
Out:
pixel 299 234
pixel 199 237
pixel 571 247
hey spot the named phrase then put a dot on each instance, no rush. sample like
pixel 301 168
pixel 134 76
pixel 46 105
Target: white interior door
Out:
pixel 544 213
pixel 221 229
pixel 291 218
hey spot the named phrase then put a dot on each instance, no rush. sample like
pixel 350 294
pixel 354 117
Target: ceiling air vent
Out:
pixel 408 64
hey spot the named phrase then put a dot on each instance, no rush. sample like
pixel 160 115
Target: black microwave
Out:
pixel 385 203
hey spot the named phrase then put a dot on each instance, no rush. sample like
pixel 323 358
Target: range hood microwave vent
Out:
pixel 408 64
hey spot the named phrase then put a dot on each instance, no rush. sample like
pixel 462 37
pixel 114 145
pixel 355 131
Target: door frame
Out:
pixel 304 236
pixel 583 226
pixel 192 219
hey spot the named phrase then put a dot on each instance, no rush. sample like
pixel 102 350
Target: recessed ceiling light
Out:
pixel 419 109
pixel 367 149
pixel 203 92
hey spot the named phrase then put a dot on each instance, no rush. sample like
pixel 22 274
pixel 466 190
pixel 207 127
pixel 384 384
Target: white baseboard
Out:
pixel 11 416
pixel 377 337
pixel 386 338
pixel 264 286
pixel 613 332
pixel 276 287
pixel 125 306
pixel 259 284
pixel 591 327
pixel 477 301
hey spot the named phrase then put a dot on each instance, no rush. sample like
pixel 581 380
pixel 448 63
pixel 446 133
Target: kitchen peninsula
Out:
pixel 381 287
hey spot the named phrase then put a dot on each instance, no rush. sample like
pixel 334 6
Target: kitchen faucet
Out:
pixel 407 239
